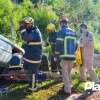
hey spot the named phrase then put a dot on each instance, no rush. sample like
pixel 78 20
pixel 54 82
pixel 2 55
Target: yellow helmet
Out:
pixel 51 27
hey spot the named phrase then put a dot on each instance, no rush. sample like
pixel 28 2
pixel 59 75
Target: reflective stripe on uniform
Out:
pixel 32 61
pixel 56 52
pixel 35 43
pixel 24 30
pixel 67 56
pixel 60 39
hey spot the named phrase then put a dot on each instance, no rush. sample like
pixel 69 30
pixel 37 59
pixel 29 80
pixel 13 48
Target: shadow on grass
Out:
pixel 85 95
pixel 16 92
pixel 75 90
pixel 48 85
pixel 58 96
pixel 61 96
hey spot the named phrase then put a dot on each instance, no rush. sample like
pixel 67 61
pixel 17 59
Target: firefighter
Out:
pixel 66 60
pixel 32 45
pixel 52 35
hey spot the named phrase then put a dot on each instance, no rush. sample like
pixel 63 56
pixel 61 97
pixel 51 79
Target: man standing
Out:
pixel 52 36
pixel 66 51
pixel 33 50
pixel 87 46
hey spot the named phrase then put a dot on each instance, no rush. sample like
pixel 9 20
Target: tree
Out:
pixel 5 11
pixel 43 17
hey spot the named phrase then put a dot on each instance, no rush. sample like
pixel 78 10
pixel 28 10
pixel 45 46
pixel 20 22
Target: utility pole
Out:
pixel 13 33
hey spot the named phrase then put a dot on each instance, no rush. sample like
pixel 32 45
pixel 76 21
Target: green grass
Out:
pixel 49 89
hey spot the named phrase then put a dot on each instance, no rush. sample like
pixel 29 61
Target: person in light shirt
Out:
pixel 87 46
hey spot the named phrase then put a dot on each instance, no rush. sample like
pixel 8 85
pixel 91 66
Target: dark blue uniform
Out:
pixel 52 40
pixel 66 49
pixel 60 43
pixel 52 36
pixel 33 50
pixel 32 47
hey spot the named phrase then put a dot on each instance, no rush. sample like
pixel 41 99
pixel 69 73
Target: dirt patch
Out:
pixel 86 96
pixel 94 96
